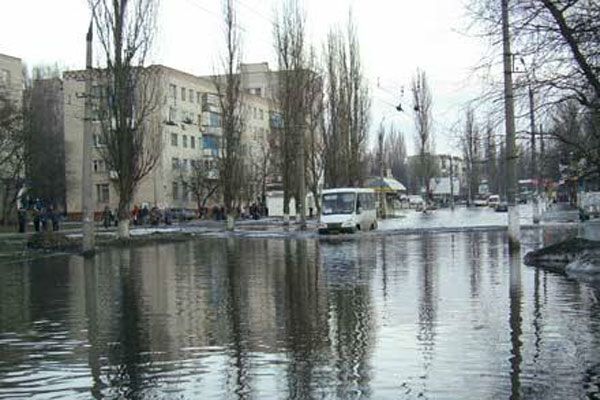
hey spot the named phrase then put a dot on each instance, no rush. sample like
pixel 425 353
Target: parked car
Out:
pixel 480 203
pixel 415 201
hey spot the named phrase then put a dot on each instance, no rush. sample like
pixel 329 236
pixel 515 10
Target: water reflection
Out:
pixel 427 309
pixel 515 322
pixel 423 316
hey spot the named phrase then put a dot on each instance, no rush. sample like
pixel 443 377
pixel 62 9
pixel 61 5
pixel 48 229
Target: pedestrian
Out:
pixel 144 215
pixel 168 216
pixel 44 219
pixel 106 217
pixel 154 216
pixel 52 217
pixel 135 214
pixel 36 219
pixel 22 216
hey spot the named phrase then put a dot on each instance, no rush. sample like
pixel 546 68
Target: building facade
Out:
pixel 190 136
pixel 12 168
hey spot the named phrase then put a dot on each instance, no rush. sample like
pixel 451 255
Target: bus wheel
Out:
pixel 374 226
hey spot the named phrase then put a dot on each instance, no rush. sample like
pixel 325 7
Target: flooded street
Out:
pixel 439 316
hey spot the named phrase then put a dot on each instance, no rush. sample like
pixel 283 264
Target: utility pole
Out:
pixel 382 199
pixel 87 203
pixel 511 157
pixel 541 168
pixel 451 184
pixel 534 175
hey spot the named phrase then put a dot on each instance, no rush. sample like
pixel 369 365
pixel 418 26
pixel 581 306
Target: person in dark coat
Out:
pixel 106 217
pixel 44 219
pixel 22 220
pixel 51 217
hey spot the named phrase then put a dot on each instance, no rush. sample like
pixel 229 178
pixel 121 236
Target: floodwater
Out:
pixel 439 316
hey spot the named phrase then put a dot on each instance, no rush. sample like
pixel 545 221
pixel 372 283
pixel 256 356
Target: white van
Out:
pixel 493 200
pixel 348 210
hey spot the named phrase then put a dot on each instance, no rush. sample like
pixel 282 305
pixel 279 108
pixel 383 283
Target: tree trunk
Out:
pixel 230 225
pixel 123 231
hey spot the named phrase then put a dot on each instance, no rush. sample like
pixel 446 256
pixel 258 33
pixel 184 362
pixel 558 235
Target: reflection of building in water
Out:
pixel 15 296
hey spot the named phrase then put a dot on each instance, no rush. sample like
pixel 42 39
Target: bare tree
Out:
pixel 314 142
pixel 395 154
pixel 229 91
pixel 471 143
pixel 13 138
pixel 558 40
pixel 201 183
pixel 130 96
pixel 347 109
pixel 300 102
pixel 490 157
pixel 43 117
pixel 423 124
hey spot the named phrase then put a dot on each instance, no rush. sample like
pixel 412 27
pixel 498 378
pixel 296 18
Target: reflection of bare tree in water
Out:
pixel 427 304
pixel 474 247
pixel 351 324
pixel 515 321
pixel 305 316
pixel 234 304
pixel 128 363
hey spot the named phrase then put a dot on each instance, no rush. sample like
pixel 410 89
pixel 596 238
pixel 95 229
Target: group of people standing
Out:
pixel 44 216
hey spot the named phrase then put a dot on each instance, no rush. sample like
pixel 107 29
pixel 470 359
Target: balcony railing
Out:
pixel 213 130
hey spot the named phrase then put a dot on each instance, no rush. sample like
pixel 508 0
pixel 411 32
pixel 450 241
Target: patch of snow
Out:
pixel 586 264
pixel 149 231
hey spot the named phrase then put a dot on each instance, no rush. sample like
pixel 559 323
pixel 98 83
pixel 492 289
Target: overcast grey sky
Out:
pixel 396 37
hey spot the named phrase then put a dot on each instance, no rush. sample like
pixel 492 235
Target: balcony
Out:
pixel 210 102
pixel 213 130
pixel 210 153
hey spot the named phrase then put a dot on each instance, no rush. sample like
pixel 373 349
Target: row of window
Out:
pixel 185 141
pixel 184 164
pixel 185 94
pixel 188 95
pixel 214 119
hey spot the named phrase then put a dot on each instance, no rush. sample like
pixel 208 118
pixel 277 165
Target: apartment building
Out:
pixel 11 78
pixel 190 135
pixel 11 97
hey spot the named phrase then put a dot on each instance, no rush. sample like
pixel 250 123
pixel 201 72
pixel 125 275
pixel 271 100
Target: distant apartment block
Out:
pixel 11 78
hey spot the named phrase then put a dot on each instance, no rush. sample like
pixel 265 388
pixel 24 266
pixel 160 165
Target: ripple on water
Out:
pixel 381 316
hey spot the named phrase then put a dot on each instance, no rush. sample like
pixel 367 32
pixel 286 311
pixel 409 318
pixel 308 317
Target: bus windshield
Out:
pixel 338 203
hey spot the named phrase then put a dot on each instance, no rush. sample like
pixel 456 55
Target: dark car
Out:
pixel 501 207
